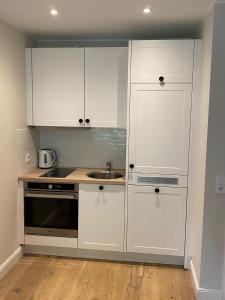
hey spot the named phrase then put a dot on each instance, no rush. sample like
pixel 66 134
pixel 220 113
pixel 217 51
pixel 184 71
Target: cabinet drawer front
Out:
pixel 159 128
pixel 171 59
pixel 156 220
pixel 101 217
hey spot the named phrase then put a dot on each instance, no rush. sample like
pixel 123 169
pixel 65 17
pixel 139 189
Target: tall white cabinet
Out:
pixel 158 145
pixel 171 60
pixel 159 128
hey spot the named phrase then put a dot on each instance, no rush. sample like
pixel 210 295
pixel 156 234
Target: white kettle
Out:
pixel 47 158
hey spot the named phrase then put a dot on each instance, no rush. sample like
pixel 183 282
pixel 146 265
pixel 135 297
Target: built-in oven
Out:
pixel 51 209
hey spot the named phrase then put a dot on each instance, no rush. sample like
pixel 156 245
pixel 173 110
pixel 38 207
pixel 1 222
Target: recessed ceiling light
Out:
pixel 147 10
pixel 54 12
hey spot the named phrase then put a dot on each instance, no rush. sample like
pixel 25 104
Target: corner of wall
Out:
pixel 204 294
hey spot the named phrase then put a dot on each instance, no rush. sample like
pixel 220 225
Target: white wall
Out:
pixel 12 117
pixel 214 207
pixel 86 147
pixel 209 216
pixel 199 143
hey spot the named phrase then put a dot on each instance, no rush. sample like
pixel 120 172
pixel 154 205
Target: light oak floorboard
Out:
pixel 51 278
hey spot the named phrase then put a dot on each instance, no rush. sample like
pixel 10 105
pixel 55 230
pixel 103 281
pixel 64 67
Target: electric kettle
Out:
pixel 47 158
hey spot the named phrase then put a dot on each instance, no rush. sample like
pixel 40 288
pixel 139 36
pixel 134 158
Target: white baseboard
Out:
pixel 10 262
pixel 204 294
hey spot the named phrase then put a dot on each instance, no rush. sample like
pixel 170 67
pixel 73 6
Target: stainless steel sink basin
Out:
pixel 105 175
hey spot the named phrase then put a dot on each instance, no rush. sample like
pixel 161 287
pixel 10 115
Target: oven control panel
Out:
pixel 44 186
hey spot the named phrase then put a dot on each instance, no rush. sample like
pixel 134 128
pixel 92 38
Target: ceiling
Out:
pixel 92 19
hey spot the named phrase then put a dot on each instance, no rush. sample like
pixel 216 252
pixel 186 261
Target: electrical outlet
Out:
pixel 220 184
pixel 28 158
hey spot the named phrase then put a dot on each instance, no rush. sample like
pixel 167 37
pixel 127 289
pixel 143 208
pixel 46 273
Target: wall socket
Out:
pixel 27 158
pixel 220 184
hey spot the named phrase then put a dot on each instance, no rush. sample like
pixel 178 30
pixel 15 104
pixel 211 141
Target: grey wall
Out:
pixel 199 142
pixel 214 206
pixel 86 147
pixel 209 211
pixel 12 116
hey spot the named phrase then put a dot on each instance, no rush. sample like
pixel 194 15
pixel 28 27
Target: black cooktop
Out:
pixel 58 172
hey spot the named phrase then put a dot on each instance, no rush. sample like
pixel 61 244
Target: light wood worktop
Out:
pixel 77 176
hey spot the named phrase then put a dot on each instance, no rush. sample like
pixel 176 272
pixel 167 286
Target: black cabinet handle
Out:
pixel 81 121
pixel 131 166
pixel 87 121
pixel 157 190
pixel 161 78
pixel 101 188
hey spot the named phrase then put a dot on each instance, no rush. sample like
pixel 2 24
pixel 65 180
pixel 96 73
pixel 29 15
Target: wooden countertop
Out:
pixel 77 176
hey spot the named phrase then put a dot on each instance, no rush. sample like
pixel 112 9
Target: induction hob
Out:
pixel 58 172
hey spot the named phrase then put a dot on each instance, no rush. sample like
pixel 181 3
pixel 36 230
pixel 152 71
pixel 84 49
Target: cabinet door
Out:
pixel 171 59
pixel 156 221
pixel 106 86
pixel 101 217
pixel 159 128
pixel 58 86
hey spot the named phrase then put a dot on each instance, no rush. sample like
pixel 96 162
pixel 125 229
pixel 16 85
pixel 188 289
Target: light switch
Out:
pixel 220 184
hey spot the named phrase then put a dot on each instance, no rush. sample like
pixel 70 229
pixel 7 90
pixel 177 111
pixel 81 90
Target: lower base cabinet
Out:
pixel 156 220
pixel 101 217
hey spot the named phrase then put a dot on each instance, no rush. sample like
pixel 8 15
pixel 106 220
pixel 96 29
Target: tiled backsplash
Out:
pixel 86 147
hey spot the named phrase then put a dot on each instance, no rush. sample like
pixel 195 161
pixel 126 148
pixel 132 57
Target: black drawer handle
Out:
pixel 81 121
pixel 101 188
pixel 161 79
pixel 87 121
pixel 131 166
pixel 157 190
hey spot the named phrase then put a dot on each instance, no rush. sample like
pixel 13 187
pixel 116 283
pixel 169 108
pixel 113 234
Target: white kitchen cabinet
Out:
pixel 106 78
pixel 156 221
pixel 159 128
pixel 29 87
pixel 170 59
pixel 101 217
pixel 73 87
pixel 58 86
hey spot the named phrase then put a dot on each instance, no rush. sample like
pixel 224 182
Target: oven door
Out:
pixel 51 213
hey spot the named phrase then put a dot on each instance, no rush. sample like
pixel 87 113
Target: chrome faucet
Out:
pixel 109 166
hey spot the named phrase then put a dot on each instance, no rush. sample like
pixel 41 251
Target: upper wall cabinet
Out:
pixel 167 61
pixel 75 87
pixel 58 86
pixel 106 86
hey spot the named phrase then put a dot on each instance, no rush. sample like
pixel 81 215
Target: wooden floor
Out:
pixel 41 277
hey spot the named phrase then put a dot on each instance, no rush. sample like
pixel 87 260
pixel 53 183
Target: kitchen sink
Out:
pixel 105 175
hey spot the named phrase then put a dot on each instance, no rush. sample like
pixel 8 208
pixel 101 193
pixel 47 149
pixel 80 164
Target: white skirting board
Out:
pixel 10 262
pixel 204 294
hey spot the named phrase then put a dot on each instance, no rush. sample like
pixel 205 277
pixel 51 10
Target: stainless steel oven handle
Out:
pixel 50 195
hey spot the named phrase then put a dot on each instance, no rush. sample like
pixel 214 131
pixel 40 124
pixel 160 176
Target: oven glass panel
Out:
pixel 51 213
